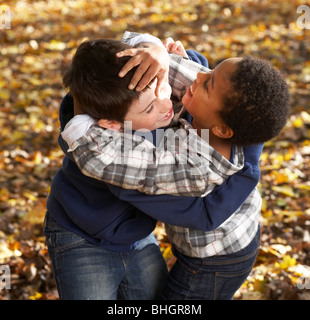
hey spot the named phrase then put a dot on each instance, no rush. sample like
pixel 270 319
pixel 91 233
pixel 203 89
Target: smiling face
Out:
pixel 149 112
pixel 204 99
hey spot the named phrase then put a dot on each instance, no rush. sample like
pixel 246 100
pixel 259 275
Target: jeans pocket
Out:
pixel 228 282
pixel 231 274
pixel 59 239
pixel 66 241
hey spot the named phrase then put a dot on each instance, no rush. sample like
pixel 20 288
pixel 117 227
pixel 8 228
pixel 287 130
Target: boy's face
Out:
pixel 149 112
pixel 204 98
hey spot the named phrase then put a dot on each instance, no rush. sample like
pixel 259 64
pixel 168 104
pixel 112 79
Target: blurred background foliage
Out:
pixel 36 51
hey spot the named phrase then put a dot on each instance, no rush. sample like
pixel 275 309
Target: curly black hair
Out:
pixel 258 105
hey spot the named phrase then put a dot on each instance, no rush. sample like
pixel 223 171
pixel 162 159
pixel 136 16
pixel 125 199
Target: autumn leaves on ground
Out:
pixel 36 50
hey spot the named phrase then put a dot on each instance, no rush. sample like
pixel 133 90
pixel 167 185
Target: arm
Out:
pixel 206 213
pixel 202 213
pixel 212 210
pixel 182 72
pixel 152 68
pixel 148 68
pixel 180 167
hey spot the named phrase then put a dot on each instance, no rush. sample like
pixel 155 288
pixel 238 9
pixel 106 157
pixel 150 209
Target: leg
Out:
pixel 146 272
pixel 82 270
pixel 214 278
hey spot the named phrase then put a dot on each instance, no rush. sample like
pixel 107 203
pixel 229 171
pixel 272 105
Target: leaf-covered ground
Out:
pixel 34 54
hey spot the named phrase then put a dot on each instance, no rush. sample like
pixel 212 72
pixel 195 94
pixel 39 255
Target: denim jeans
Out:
pixel 86 271
pixel 212 278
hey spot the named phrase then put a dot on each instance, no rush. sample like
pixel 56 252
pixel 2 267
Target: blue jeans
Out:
pixel 213 278
pixel 86 271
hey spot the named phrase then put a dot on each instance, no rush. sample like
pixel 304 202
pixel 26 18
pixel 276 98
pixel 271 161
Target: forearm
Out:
pixel 204 213
pixel 130 162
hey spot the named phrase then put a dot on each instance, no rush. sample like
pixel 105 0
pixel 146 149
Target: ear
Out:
pixel 222 131
pixel 109 124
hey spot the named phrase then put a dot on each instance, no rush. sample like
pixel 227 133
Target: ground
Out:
pixel 35 52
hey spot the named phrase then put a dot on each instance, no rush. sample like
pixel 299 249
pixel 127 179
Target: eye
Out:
pixel 205 84
pixel 149 109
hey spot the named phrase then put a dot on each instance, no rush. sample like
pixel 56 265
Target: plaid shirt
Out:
pixel 101 154
pixel 182 164
pixel 232 236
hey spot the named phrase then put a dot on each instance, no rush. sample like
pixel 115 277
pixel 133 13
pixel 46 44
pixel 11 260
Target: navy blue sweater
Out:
pixel 117 218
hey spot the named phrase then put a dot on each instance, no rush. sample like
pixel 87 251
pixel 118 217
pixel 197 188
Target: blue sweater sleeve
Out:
pixel 206 213
pixel 65 115
pixel 197 57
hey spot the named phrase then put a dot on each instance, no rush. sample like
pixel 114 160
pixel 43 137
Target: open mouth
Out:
pixel 168 115
pixel 190 91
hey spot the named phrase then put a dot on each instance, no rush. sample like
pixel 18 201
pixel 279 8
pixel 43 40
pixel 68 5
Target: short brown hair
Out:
pixel 94 82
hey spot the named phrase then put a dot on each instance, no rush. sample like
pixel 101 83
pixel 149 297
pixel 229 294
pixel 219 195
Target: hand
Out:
pixel 152 62
pixel 252 153
pixel 175 47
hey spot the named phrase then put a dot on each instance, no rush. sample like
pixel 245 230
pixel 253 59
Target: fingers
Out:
pixel 127 52
pixel 167 43
pixel 133 62
pixel 150 64
pixel 175 47
pixel 142 77
pixel 160 85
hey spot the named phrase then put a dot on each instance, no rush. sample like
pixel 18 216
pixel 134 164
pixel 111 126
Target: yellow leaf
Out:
pixel 304 187
pixel 35 81
pixel 55 45
pixel 17 135
pixel 264 204
pixel 286 190
pixel 298 122
pixel 4 94
pixel 38 157
pixel 286 262
pixel 264 156
pixel 167 254
pixel 30 196
pixel 37 213
pixel 2 84
pixel 305 117
pixel 36 296
pixel 4 194
pixel 5 252
pixel 268 214
pixel 281 178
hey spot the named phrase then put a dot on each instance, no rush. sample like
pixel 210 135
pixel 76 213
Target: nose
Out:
pixel 165 91
pixel 165 105
pixel 202 76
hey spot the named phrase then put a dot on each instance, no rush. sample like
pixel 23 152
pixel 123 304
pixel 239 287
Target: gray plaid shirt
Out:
pixel 182 164
pixel 190 168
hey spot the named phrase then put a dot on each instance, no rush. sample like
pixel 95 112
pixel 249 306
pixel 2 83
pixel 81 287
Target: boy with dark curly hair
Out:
pixel 257 106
